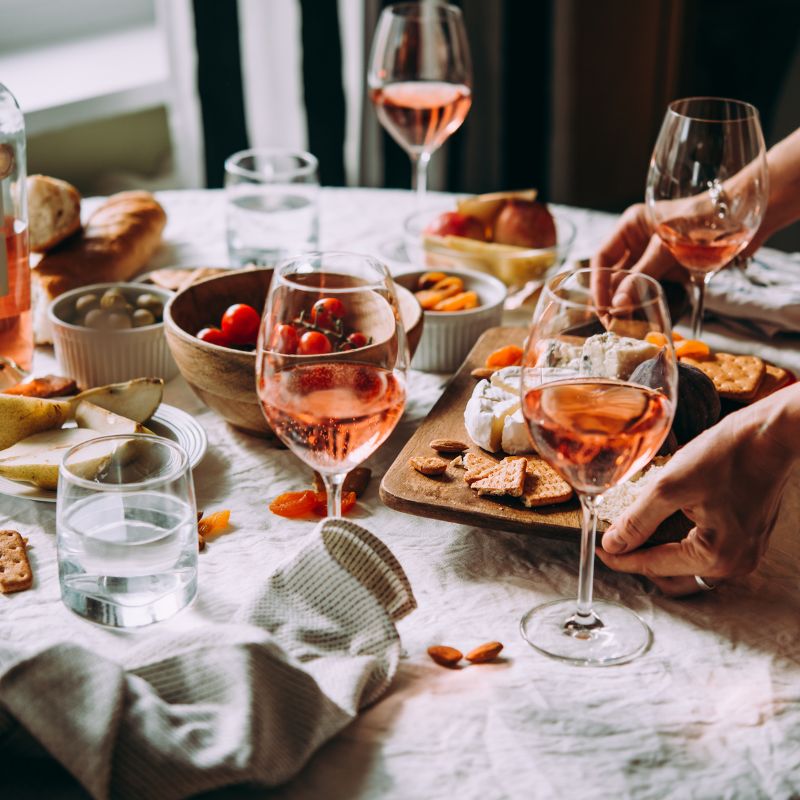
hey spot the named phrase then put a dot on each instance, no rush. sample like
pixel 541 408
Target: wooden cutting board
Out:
pixel 449 498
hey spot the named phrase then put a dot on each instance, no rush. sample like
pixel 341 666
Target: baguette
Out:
pixel 119 239
pixel 54 212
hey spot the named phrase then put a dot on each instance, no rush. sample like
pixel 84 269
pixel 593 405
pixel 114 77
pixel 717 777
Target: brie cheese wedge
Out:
pixel 515 439
pixel 485 414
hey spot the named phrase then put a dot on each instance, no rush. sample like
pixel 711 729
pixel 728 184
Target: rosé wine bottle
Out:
pixel 16 325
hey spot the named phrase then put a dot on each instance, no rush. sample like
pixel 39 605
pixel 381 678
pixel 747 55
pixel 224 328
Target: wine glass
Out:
pixel 707 186
pixel 596 416
pixel 331 362
pixel 420 79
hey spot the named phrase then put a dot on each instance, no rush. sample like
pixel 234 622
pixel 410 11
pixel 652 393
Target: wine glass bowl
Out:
pixel 331 362
pixel 420 78
pixel 598 390
pixel 707 186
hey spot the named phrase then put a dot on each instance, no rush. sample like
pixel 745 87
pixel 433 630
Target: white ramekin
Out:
pixel 94 358
pixel 448 336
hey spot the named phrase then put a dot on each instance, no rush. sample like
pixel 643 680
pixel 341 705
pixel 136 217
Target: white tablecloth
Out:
pixel 713 710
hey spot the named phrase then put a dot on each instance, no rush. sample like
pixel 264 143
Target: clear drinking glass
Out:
pixel 126 530
pixel 420 78
pixel 272 205
pixel 331 362
pixel 597 419
pixel 707 187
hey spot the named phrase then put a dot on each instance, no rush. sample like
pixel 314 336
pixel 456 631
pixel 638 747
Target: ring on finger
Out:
pixel 704 584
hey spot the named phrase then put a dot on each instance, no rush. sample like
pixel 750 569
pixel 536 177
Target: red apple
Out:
pixel 451 223
pixel 525 224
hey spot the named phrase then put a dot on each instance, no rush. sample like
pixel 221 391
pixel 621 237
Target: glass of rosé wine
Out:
pixel 420 79
pixel 599 386
pixel 331 362
pixel 707 186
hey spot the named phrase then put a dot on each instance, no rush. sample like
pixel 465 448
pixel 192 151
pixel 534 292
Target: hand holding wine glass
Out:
pixel 331 362
pixel 707 186
pixel 599 400
pixel 420 78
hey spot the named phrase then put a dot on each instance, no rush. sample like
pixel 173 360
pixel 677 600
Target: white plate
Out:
pixel 168 421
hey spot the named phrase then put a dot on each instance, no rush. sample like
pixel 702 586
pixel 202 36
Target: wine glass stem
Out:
pixel 419 174
pixel 698 281
pixel 584 613
pixel 333 488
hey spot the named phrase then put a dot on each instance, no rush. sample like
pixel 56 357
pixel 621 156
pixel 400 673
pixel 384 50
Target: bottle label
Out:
pixel 3 263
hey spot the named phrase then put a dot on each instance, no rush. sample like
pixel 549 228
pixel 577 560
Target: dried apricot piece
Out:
pixel 293 504
pixel 428 298
pixel 692 348
pixel 321 503
pixel 508 356
pixel 656 337
pixel 213 523
pixel 458 302
pixel 676 337
pixel 428 279
pixel 448 286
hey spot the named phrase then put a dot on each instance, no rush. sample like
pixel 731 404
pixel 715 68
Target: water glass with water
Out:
pixel 126 530
pixel 271 205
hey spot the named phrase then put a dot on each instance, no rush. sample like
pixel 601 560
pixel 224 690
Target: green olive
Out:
pixel 118 321
pixel 142 317
pixel 150 302
pixel 113 299
pixel 95 318
pixel 86 303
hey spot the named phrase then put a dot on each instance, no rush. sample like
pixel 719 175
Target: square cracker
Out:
pixel 477 467
pixel 543 485
pixel 774 378
pixel 15 569
pixel 735 377
pixel 507 478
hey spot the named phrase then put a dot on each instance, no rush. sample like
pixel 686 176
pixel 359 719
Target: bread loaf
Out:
pixel 54 212
pixel 119 239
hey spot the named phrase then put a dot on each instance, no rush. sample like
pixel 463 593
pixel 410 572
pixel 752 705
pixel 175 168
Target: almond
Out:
pixel 448 446
pixel 445 656
pixel 484 653
pixel 483 372
pixel 428 466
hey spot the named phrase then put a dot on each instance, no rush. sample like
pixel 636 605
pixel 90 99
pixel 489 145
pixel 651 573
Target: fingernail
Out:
pixel 613 544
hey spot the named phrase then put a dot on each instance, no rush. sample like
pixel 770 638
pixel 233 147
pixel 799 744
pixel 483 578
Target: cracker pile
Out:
pixel 744 379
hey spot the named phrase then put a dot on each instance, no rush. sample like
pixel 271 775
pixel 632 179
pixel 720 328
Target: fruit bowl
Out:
pixel 512 264
pixel 224 377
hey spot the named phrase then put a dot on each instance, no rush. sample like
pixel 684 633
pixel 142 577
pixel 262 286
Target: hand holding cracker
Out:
pixel 729 482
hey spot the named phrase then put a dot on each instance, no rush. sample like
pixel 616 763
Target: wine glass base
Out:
pixel 616 635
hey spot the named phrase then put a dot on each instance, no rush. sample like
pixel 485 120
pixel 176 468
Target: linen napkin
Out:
pixel 764 291
pixel 248 701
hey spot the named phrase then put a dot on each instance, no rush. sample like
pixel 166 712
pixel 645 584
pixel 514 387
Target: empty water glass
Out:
pixel 126 530
pixel 271 205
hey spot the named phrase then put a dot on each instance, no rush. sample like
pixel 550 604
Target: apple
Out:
pixel 451 223
pixel 525 224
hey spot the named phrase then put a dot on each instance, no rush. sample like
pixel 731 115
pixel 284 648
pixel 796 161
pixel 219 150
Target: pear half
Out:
pixel 137 399
pixel 106 423
pixel 20 417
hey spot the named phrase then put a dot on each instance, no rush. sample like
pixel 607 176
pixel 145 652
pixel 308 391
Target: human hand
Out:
pixel 728 482
pixel 634 247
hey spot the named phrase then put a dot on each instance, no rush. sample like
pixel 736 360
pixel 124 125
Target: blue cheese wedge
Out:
pixel 561 354
pixel 608 355
pixel 486 412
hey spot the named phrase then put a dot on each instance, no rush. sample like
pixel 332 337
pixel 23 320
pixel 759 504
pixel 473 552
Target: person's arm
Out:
pixel 729 482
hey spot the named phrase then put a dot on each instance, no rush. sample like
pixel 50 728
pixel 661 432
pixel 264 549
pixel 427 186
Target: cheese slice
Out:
pixel 611 356
pixel 508 379
pixel 486 412
pixel 515 439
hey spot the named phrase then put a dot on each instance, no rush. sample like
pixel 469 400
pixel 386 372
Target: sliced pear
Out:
pixel 21 417
pixel 89 415
pixel 137 399
pixel 487 206
pixel 36 459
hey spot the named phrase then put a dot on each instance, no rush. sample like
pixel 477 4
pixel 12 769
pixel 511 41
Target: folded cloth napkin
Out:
pixel 766 292
pixel 248 701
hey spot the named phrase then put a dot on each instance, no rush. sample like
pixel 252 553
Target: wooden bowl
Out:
pixel 222 377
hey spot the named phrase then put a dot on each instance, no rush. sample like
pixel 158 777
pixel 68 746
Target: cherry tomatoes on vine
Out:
pixel 325 312
pixel 214 336
pixel 285 339
pixel 357 339
pixel 314 343
pixel 240 322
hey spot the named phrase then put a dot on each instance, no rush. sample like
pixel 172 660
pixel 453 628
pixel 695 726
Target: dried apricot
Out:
pixel 448 286
pixel 321 503
pixel 508 356
pixel 293 504
pixel 458 302
pixel 428 299
pixel 676 337
pixel 656 337
pixel 692 348
pixel 213 523
pixel 428 279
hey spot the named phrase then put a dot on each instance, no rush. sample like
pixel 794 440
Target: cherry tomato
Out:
pixel 285 339
pixel 326 311
pixel 313 343
pixel 358 339
pixel 214 336
pixel 241 322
